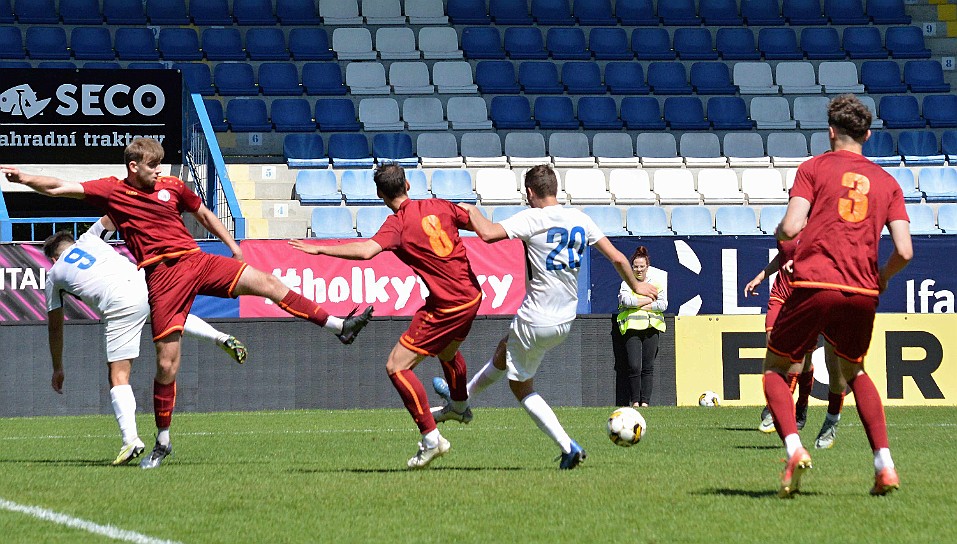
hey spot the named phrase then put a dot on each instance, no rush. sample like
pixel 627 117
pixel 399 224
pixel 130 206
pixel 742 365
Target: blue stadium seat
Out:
pixel 668 78
pixel 694 44
pixel 539 77
pixel 496 77
pixel 947 218
pixel 501 213
pixel 46 42
pixel 625 78
pixel 771 216
pixel 36 12
pixel 678 13
pixel 146 65
pixel 608 219
pixel 266 44
pixel 555 112
pixel 394 148
pixel 736 44
pixel 940 110
pixel 223 44
pixel 905 178
pixel 509 12
pixel 609 44
pixel 310 43
pixel 720 13
pixel 900 112
pixel 863 42
pixel 691 220
pixel 647 221
pixel 297 12
pixel 210 13
pixel 81 12
pixel 882 76
pixel 323 78
pixel 57 65
pixel 247 115
pixel 6 13
pixel 91 43
pixel 304 150
pixel 292 115
pixel 803 12
pixel 418 184
pixel 235 79
pixel 214 109
pixel 887 12
pixel 636 13
pixel 652 44
pixel 135 44
pixel 779 44
pixel 736 220
pixel 761 12
pixel 349 151
pixel 179 44
pixel 511 112
pixel 598 113
pixel 196 77
pixel 101 65
pixel 317 187
pixel 685 113
pixel 822 43
pixel 552 12
pixel 882 149
pixel 925 76
pixel 939 184
pixel 845 12
pixel 15 64
pixel 329 222
pixel 582 77
pixel 467 12
pixel 922 219
pixel 525 43
pixel 729 113
pixel 279 79
pixel 167 12
pixel 594 13
pixel 642 113
pixel 337 115
pixel 453 185
pixel 567 44
pixel 919 148
pixel 482 42
pixel 712 78
pixel 906 42
pixel 124 12
pixel 370 219
pixel 948 145
pixel 253 12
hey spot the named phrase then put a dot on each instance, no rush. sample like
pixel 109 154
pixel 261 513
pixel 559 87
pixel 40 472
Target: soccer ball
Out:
pixel 709 399
pixel 626 426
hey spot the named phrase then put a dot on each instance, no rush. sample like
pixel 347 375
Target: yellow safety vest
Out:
pixel 639 319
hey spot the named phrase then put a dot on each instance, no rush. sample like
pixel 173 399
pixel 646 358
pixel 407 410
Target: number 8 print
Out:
pixel 438 238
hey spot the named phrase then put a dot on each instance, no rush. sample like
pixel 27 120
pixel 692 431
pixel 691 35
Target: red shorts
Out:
pixel 774 308
pixel 174 283
pixel 432 330
pixel 845 319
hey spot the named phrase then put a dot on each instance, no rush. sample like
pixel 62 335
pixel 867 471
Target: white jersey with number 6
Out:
pixel 555 240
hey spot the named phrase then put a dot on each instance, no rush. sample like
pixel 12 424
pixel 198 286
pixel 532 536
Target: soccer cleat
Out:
pixel 800 416
pixel 234 348
pixel 573 458
pixel 767 421
pixel 155 458
pixel 827 436
pixel 425 455
pixel 352 324
pixel 441 388
pixel 129 452
pixel 885 481
pixel 446 413
pixel 793 471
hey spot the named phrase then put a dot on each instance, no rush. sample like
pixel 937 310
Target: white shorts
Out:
pixel 527 346
pixel 124 320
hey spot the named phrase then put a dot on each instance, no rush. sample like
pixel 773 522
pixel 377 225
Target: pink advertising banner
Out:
pixel 384 282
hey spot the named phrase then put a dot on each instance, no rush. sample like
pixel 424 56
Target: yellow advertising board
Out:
pixel 909 359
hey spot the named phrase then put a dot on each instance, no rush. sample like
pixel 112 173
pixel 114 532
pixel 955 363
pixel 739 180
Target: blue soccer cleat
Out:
pixel 572 459
pixel 441 388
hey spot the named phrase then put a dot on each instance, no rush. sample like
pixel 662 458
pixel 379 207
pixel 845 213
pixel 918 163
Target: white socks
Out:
pixel 882 459
pixel 546 420
pixel 792 443
pixel 431 438
pixel 484 378
pixel 198 328
pixel 334 324
pixel 162 436
pixel 833 418
pixel 124 406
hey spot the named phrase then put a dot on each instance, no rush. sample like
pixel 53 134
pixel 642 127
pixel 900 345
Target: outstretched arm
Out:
pixel 210 222
pixel 623 267
pixel 486 230
pixel 44 185
pixel 771 268
pixel 353 251
pixel 55 334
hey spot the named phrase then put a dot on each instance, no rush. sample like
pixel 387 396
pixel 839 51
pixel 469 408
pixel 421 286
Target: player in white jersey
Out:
pixel 555 241
pixel 89 269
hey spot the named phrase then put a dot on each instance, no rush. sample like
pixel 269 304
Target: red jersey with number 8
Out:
pixel 851 200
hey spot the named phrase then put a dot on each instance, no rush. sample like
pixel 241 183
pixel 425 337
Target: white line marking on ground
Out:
pixel 82 524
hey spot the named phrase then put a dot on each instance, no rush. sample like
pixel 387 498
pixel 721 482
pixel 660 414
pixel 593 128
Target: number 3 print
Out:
pixel 853 209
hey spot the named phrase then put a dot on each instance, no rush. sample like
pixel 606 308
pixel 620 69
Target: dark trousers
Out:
pixel 635 365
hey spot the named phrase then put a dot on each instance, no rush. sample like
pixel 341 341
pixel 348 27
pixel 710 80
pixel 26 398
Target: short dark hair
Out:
pixel 542 181
pixel 848 115
pixel 390 180
pixel 52 243
pixel 143 150
pixel 641 251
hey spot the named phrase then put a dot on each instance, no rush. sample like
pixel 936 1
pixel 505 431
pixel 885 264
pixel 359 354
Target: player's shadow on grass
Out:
pixel 752 447
pixel 60 462
pixel 762 494
pixel 397 470
pixel 740 429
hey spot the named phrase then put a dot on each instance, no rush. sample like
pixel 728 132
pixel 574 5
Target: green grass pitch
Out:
pixel 699 475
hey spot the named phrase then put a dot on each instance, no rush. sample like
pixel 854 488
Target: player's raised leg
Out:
pixel 198 328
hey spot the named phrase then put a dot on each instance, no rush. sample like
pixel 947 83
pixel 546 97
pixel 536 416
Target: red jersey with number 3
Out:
pixel 149 220
pixel 851 200
pixel 424 234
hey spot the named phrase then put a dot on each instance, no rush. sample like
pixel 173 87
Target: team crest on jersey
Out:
pixel 163 195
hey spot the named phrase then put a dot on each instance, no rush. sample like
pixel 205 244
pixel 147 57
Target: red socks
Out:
pixel 414 399
pixel 455 376
pixel 871 410
pixel 805 382
pixel 780 402
pixel 835 401
pixel 164 399
pixel 302 307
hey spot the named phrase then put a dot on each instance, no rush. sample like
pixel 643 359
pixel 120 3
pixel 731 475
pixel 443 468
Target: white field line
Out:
pixel 82 524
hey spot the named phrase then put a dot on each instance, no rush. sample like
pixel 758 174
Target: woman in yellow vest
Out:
pixel 641 320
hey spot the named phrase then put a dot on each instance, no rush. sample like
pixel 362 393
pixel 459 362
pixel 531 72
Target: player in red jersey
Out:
pixel 839 203
pixel 147 208
pixel 424 235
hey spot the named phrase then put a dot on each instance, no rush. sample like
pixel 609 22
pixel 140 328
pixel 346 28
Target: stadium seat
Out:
pixel 539 77
pixel 11 43
pixel 339 12
pixel 247 115
pixel 36 12
pixel 331 222
pixel 46 42
pixel 395 148
pixel 453 77
pixel 104 65
pixel 235 79
pixel 323 78
pixel 779 44
pixel 754 78
pixel 736 221
pixel 570 150
pixel 509 12
pixel 729 113
pixel 582 77
pixel 383 12
pixel 761 12
pixel 305 150
pixel 438 150
pixel 525 149
pixel 567 44
pixel 380 114
pixel 745 149
pixel 845 12
pixel 694 44
pixel 167 12
pixel 647 221
pixel 719 186
pixel 309 43
pixel 771 216
pixel 608 219
pixel 586 186
pixel 483 149
pixel 179 44
pixel 92 43
pixel 453 185
pixel 787 149
pixel 410 78
pixel 882 76
pixel 882 149
pixel 839 77
pixel 467 12
pixel 292 115
pixel 210 13
pixel 947 218
pixel 712 78
pixel 876 121
pixel 863 42
pixel 692 221
pixel 214 109
pixel 939 184
pixel 652 44
pixel 297 12
pixel 369 220
pixel 908 183
pixel 349 151
pixel 482 42
pixel 609 44
pixel 940 111
pixel 925 76
pixel 336 115
pixel 221 44
pixel 497 187
pixel 685 113
pixel 720 13
pixel 496 77
pixel 135 44
pixel 636 13
pixel 83 12
pixel 887 12
pixel 598 113
pixel 439 43
pixel 279 79
pixel 366 78
pixel 594 13
pixel 353 44
pixel 358 187
pixel 919 148
pixel 641 113
pixel 418 184
pixel 625 78
pixel 254 12
pixel 552 12
pixel 822 44
pixel 631 186
pixel 57 65
pixel 803 12
pixel 668 78
pixel 658 150
pixel 501 213
pixel 614 150
pixel 906 42
pixel 317 187
pixel 796 78
pixel 922 219
pixel 771 112
pixel 266 44
pixel 679 13
pixel 424 113
pixel 426 12
pixel 763 186
pixel 511 112
pixel 701 150
pixel 395 44
pixel 6 13
pixel 736 44
pixel 468 113
pixel 948 145
pixel 901 112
